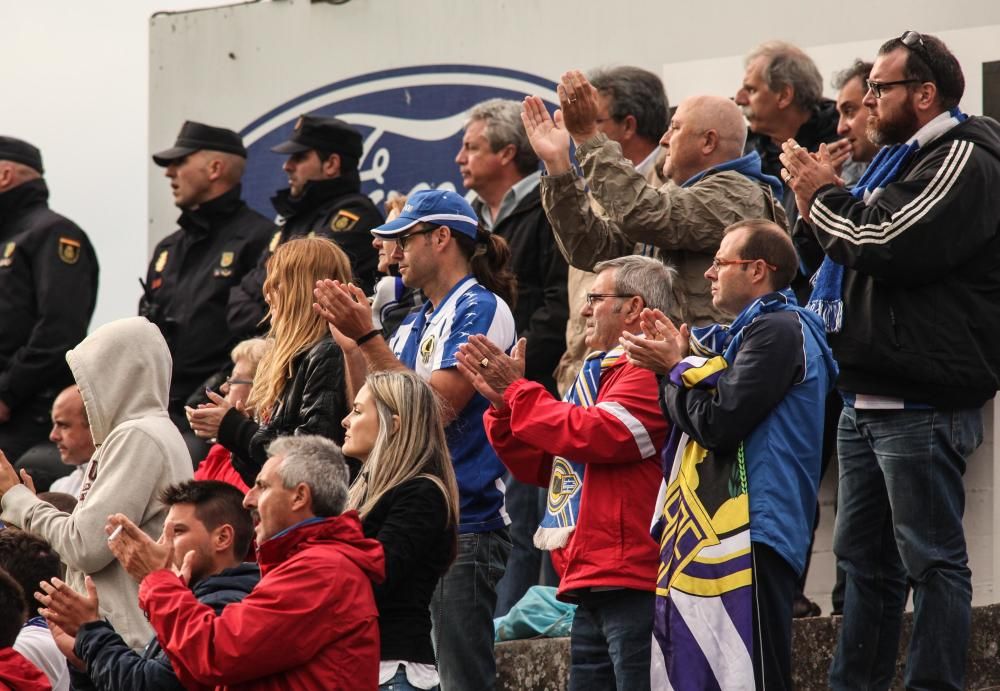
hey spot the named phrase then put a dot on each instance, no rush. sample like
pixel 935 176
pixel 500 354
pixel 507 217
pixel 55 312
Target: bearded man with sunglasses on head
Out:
pixel 907 290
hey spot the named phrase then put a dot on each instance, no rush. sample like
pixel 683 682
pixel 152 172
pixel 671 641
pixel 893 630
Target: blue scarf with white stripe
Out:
pixel 562 505
pixel 827 295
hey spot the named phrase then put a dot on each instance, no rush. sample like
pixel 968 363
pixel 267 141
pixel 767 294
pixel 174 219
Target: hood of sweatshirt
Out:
pixel 123 371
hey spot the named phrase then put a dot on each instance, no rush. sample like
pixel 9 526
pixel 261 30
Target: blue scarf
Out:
pixel 827 295
pixel 562 505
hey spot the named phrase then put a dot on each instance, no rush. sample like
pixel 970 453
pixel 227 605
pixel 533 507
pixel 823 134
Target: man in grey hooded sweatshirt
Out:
pixel 123 372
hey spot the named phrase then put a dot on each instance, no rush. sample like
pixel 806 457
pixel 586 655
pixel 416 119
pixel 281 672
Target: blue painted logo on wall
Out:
pixel 411 119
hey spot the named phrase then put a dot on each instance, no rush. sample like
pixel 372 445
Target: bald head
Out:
pixel 704 132
pixel 70 427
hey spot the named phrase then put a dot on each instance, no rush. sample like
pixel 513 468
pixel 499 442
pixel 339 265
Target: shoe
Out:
pixel 804 607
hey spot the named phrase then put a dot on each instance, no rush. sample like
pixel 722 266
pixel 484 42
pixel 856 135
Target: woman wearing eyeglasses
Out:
pixel 408 500
pixel 299 384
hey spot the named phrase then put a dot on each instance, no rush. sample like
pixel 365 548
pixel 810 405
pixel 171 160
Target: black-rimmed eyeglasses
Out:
pixel 402 240
pixel 878 87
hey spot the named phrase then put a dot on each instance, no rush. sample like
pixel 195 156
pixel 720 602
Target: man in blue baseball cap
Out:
pixel 464 273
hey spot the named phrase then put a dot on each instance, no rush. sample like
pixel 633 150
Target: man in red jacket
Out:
pixel 598 453
pixel 311 622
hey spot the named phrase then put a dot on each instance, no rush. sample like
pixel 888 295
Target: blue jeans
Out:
pixel 610 641
pixel 899 518
pixel 462 612
pixel 401 683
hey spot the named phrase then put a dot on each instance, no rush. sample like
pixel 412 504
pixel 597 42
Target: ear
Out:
pixel 215 168
pixel 302 498
pixel 709 142
pixel 6 176
pixel 632 309
pixel 629 127
pixel 395 423
pixel 925 96
pixel 331 166
pixel 786 96
pixel 507 154
pixel 222 538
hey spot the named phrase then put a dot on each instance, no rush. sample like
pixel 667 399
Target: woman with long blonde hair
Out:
pixel 299 384
pixel 407 497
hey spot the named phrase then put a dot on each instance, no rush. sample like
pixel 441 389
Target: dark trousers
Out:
pixel 774 586
pixel 610 640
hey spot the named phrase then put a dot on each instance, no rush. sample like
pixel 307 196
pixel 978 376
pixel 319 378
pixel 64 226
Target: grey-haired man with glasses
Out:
pixel 907 290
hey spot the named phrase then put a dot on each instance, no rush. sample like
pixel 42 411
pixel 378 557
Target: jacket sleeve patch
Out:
pixel 344 220
pixel 69 250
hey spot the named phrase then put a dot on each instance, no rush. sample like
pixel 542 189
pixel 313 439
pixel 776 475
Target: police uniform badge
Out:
pixel 69 250
pixel 161 261
pixel 275 241
pixel 427 349
pixel 8 254
pixel 225 265
pixel 344 220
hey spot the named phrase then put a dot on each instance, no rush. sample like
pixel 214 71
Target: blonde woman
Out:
pixel 299 384
pixel 408 500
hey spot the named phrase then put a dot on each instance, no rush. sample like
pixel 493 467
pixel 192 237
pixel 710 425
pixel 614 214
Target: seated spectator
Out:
pixel 123 371
pixel 207 518
pixel 29 559
pixel 732 557
pixel 218 464
pixel 299 385
pixel 16 672
pixel 392 299
pixel 598 453
pixel 311 622
pixel 407 497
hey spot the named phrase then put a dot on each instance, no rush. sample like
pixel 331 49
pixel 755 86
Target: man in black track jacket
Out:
pixel 909 292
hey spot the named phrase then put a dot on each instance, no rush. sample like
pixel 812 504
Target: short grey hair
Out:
pixel 317 462
pixel 636 92
pixel 787 64
pixel 649 278
pixel 503 127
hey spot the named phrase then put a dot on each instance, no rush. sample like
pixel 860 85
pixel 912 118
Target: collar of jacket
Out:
pixel 209 214
pixel 747 166
pixel 242 577
pixel 17 199
pixel 315 193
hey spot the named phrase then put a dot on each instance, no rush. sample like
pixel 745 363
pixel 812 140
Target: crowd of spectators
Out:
pixel 331 450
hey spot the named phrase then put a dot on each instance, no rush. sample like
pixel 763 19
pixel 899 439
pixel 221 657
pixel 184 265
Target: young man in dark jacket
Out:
pixel 207 517
pixel 908 292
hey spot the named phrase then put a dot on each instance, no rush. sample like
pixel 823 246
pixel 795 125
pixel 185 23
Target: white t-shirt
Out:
pixel 35 642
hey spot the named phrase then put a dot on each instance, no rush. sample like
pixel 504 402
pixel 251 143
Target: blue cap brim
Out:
pixel 395 227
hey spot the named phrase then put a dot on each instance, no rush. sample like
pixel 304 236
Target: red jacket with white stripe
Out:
pixel 619 439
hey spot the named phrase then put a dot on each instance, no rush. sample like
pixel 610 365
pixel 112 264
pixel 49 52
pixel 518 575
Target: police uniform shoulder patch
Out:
pixel 161 261
pixel 69 250
pixel 275 241
pixel 8 255
pixel 344 220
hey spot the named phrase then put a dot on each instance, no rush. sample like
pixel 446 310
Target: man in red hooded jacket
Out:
pixel 311 622
pixel 16 672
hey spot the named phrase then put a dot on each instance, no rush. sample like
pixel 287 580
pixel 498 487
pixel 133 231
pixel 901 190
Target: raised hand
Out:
pixel 481 356
pixel 548 138
pixel 343 306
pixel 579 104
pixel 64 606
pixel 136 551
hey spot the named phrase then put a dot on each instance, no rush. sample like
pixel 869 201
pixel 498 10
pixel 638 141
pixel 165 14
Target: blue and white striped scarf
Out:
pixel 827 295
pixel 562 505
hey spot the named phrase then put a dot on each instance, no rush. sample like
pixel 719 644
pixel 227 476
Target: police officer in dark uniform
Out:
pixel 48 289
pixel 323 198
pixel 193 270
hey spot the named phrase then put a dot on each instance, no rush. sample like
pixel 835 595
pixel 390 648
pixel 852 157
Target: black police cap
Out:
pixel 323 134
pixel 195 136
pixel 20 151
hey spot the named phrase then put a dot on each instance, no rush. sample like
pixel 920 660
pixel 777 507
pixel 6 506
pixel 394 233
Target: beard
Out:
pixel 895 129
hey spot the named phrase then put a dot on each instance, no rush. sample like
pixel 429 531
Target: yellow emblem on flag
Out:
pixel 69 250
pixel 275 241
pixel 344 220
pixel 161 261
pixel 226 260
